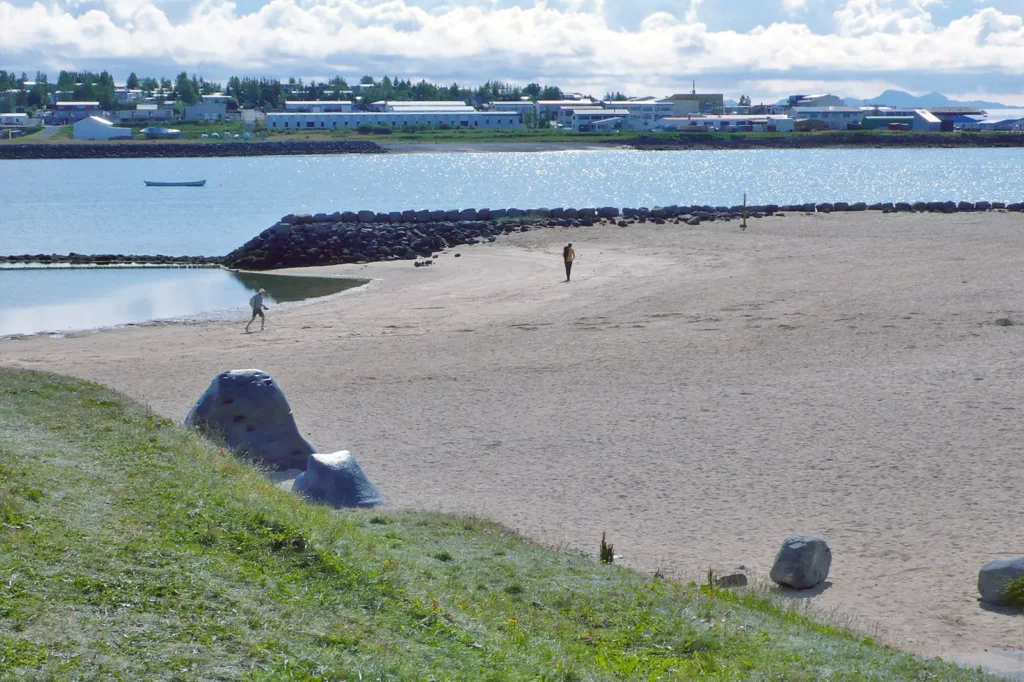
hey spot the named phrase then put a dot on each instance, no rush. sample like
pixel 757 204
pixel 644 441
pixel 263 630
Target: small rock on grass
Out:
pixel 732 580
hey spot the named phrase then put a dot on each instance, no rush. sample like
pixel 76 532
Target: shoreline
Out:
pixel 383 144
pixel 697 394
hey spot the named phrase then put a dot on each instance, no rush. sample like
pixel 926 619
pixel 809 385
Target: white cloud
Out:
pixel 794 6
pixel 568 42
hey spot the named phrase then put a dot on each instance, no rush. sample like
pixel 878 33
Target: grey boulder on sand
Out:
pixel 995 576
pixel 248 410
pixel 802 563
pixel 338 480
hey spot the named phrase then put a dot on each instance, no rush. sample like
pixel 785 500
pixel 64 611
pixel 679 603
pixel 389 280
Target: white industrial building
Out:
pixel 207 111
pixel 1001 124
pixel 588 119
pixel 820 100
pixel 317 106
pixel 754 123
pixel 145 112
pixel 924 120
pixel 834 118
pixel 644 114
pixel 420 106
pixel 96 128
pixel 564 116
pixel 469 120
pixel 547 109
pixel 524 108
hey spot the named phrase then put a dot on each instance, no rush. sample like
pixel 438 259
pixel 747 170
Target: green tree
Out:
pixel 132 82
pixel 40 95
pixel 185 89
pixel 744 101
pixel 366 80
pixel 550 92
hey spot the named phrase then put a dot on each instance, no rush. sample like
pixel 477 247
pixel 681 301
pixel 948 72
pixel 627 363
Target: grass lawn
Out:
pixel 133 549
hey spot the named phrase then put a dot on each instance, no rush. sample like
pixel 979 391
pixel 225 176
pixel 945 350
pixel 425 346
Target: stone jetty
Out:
pixel 367 236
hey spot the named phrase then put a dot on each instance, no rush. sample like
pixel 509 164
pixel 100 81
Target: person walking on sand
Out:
pixel 568 255
pixel 257 309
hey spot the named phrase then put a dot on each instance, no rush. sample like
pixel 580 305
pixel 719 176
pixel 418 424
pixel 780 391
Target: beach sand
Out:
pixel 697 393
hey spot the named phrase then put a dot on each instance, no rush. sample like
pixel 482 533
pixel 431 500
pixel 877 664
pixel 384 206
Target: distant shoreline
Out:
pixel 186 149
pixel 485 142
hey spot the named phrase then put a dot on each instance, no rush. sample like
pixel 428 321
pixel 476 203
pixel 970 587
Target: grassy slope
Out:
pixel 132 549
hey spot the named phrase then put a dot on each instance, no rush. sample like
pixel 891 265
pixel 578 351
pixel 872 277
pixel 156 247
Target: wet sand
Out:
pixel 697 393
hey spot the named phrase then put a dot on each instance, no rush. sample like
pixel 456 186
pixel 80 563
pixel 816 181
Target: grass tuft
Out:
pixel 131 548
pixel 1015 592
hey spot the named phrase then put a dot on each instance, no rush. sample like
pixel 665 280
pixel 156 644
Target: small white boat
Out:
pixel 194 183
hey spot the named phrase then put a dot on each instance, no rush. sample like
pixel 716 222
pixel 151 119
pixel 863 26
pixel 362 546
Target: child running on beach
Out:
pixel 257 309
pixel 568 255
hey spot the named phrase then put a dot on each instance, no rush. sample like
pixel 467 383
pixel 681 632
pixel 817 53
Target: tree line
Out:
pixel 252 93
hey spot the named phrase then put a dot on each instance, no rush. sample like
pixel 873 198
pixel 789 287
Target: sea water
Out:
pixel 102 206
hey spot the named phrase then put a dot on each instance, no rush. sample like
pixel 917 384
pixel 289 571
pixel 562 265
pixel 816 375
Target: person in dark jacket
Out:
pixel 568 255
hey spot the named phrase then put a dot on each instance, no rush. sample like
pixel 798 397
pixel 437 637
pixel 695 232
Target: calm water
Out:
pixel 66 299
pixel 101 205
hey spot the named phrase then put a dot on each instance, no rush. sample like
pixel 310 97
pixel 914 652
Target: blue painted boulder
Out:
pixel 338 480
pixel 247 409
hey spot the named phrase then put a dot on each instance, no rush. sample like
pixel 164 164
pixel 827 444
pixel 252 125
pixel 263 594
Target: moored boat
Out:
pixel 193 183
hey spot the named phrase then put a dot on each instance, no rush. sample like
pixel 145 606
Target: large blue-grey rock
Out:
pixel 338 480
pixel 803 562
pixel 994 577
pixel 247 409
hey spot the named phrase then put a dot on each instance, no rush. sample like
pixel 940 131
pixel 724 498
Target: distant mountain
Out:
pixel 898 98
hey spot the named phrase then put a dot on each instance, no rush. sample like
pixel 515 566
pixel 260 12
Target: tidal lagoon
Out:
pixel 36 300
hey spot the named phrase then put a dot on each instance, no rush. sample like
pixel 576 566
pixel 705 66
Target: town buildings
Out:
pixel 69 112
pixel 696 103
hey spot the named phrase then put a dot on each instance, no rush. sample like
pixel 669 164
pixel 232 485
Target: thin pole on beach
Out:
pixel 744 225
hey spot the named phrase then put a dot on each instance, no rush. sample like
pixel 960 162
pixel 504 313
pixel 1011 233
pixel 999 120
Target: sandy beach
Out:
pixel 697 393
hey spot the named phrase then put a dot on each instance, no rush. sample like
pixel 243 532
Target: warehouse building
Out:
pixel 96 128
pixel 469 120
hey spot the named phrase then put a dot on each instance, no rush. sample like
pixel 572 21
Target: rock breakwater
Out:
pixel 366 236
pixel 78 259
pixel 149 149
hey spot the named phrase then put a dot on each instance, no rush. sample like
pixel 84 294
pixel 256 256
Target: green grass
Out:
pixel 1015 591
pixel 132 549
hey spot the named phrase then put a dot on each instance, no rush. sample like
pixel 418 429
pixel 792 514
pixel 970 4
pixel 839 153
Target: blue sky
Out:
pixel 762 48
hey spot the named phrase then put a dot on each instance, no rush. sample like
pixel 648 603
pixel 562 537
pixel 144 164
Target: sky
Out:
pixel 766 49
